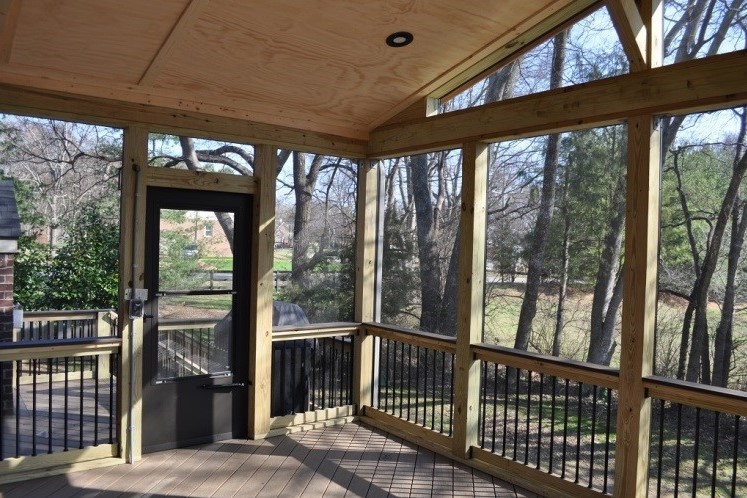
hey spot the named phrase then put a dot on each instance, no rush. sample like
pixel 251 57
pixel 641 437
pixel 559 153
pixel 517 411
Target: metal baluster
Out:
pixel 443 386
pixel 696 450
pixel 425 388
pixel 113 359
pixel 578 432
pixel 516 411
pixel 661 450
pixel 495 403
pixel 80 412
pixel 96 403
pixel 324 372
pixel 677 451
pixel 433 393
pixel 33 407
pixel 49 406
pixel 331 394
pixel 539 420
pixel 607 439
pixel 314 387
pixel 451 394
pixel 2 431
pixel 417 382
pixel 714 472
pixel 401 378
pixel 736 457
pixel 565 430
pixel 553 398
pixel 505 409
pixel 593 434
pixel 67 371
pixel 409 379
pixel 18 407
pixel 385 377
pixel 529 407
pixel 484 399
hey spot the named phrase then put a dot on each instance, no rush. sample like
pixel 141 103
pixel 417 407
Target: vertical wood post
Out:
pixel 640 293
pixel 470 296
pixel 131 261
pixel 103 329
pixel 260 330
pixel 365 286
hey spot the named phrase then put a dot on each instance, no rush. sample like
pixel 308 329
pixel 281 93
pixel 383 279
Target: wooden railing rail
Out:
pixel 414 337
pixel 39 350
pixel 717 399
pixel 315 331
pixel 587 373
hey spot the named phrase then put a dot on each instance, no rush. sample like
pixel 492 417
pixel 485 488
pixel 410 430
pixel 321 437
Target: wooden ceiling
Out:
pixel 317 65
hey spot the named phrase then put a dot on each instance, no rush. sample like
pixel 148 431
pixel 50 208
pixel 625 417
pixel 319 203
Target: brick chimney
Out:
pixel 10 230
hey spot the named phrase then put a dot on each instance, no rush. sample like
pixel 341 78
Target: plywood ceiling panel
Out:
pixel 320 65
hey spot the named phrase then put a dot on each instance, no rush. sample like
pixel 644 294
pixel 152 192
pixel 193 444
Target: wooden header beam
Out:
pixel 631 30
pixel 110 112
pixel 699 85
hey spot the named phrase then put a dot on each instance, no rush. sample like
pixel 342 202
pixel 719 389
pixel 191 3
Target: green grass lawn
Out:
pixel 282 261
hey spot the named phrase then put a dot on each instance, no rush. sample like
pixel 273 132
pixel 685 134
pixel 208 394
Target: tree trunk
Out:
pixel 303 190
pixel 193 163
pixel 565 256
pixel 448 320
pixel 430 274
pixel 536 263
pixel 600 337
pixel 699 349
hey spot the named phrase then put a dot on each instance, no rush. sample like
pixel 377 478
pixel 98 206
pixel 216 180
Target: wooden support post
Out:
pixel 103 329
pixel 260 331
pixel 470 296
pixel 640 293
pixel 131 261
pixel 365 285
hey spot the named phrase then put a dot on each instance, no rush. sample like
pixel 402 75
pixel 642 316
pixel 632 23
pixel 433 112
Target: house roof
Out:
pixel 10 223
pixel 317 65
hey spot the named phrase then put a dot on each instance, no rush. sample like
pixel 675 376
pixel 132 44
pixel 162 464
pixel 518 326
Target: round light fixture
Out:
pixel 399 39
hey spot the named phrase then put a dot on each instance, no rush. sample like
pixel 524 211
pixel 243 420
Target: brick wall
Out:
pixel 6 328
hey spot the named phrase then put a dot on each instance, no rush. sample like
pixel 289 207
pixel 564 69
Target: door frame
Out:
pixel 134 182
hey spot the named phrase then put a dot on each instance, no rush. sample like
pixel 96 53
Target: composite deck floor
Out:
pixel 346 460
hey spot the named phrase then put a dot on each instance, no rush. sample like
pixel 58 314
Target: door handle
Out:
pixel 232 385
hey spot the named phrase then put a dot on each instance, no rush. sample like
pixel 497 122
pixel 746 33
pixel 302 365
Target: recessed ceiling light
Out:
pixel 399 39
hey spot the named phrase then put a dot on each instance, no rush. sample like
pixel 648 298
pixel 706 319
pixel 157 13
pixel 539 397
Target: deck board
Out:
pixel 341 461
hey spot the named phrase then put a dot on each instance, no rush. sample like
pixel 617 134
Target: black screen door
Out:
pixel 196 327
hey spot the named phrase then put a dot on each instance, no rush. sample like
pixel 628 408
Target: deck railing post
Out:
pixel 365 285
pixel 104 327
pixel 470 296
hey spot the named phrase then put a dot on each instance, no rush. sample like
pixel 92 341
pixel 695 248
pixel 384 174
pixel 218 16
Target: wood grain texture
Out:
pixel 631 30
pixel 132 271
pixel 105 347
pixel 25 468
pixel 200 180
pixel 470 301
pixel 639 306
pixel 260 329
pixel 109 112
pixel 414 337
pixel 365 284
pixel 712 83
pixel 9 13
pixel 717 399
pixel 180 30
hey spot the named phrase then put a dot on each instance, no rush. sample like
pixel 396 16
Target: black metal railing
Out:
pixel 50 325
pixel 416 382
pixel 311 373
pixel 51 411
pixel 694 450
pixel 548 421
pixel 192 347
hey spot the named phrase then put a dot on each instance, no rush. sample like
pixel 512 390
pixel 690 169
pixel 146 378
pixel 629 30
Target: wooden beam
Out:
pixel 631 30
pixel 132 274
pixel 43 465
pixel 717 399
pixel 179 32
pixel 260 331
pixel 470 288
pixel 698 85
pixel 9 12
pixel 365 284
pixel 200 180
pixel 110 112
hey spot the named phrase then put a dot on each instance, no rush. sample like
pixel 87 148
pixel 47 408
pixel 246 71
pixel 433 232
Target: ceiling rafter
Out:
pixel 9 12
pixel 632 31
pixel 181 28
